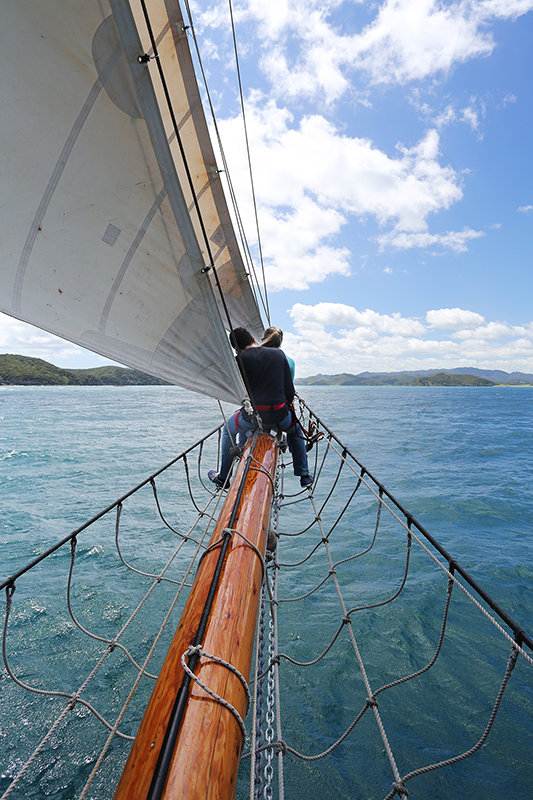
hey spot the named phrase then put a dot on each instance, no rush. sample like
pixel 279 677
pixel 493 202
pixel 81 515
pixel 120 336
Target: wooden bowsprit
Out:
pixel 188 743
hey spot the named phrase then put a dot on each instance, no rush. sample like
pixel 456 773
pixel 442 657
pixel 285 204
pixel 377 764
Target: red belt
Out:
pixel 269 408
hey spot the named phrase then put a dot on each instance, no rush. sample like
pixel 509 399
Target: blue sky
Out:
pixel 391 145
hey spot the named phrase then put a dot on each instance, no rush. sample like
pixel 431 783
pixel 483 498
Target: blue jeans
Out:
pixel 237 425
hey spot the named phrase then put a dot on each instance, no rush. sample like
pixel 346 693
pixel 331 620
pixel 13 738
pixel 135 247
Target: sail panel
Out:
pixel 97 240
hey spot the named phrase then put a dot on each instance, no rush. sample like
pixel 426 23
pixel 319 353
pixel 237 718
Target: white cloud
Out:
pixel 414 40
pixel 526 209
pixel 446 117
pixel 26 340
pixel 494 330
pixel 339 314
pixel 502 9
pixel 310 179
pixel 333 337
pixel 449 240
pixel 453 319
pixel 19 337
pixel 471 117
pixel 520 330
pixel 308 48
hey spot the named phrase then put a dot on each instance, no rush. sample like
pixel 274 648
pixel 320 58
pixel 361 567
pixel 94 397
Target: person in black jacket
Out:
pixel 267 376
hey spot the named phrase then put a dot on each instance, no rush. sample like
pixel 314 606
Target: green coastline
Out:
pixel 441 377
pixel 18 370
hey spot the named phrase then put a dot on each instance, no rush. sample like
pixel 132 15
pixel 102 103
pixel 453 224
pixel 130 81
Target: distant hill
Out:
pixel 26 371
pixel 443 379
pixel 460 376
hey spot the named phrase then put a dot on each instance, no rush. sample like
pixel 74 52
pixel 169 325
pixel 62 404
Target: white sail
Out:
pixel 108 237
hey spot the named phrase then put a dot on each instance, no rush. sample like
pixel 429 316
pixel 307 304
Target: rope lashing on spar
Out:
pixel 309 427
pixel 229 532
pixel 200 652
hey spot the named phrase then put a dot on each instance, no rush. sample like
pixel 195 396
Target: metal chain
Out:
pixel 270 716
pixel 257 756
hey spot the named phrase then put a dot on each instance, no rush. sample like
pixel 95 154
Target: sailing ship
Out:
pixel 133 254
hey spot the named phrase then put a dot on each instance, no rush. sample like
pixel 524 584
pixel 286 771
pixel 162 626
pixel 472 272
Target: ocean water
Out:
pixel 458 459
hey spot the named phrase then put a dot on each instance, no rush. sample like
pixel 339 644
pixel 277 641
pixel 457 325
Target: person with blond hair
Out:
pixel 273 337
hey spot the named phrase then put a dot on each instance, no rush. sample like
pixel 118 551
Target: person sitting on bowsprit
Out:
pixel 267 376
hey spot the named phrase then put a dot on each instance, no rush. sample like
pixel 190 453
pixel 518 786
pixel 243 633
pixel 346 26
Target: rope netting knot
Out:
pixel 399 788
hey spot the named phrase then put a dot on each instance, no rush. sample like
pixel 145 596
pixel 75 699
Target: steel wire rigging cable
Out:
pixel 264 293
pixel 241 96
pixel 146 59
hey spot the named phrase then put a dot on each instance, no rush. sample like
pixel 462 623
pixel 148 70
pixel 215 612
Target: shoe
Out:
pixel 306 480
pixel 215 478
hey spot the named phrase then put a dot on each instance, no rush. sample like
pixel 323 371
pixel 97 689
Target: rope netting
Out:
pixel 378 658
pixel 364 604
pixel 101 641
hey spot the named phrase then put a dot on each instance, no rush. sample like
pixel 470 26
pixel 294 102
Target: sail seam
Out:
pixel 129 255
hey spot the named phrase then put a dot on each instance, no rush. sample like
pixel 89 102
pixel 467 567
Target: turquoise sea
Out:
pixel 459 459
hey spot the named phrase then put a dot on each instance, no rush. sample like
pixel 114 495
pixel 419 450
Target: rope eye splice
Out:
pixel 196 650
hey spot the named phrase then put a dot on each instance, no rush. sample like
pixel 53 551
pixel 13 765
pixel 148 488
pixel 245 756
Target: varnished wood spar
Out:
pixel 207 752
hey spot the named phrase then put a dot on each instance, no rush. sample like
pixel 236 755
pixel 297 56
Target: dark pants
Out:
pixel 240 422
